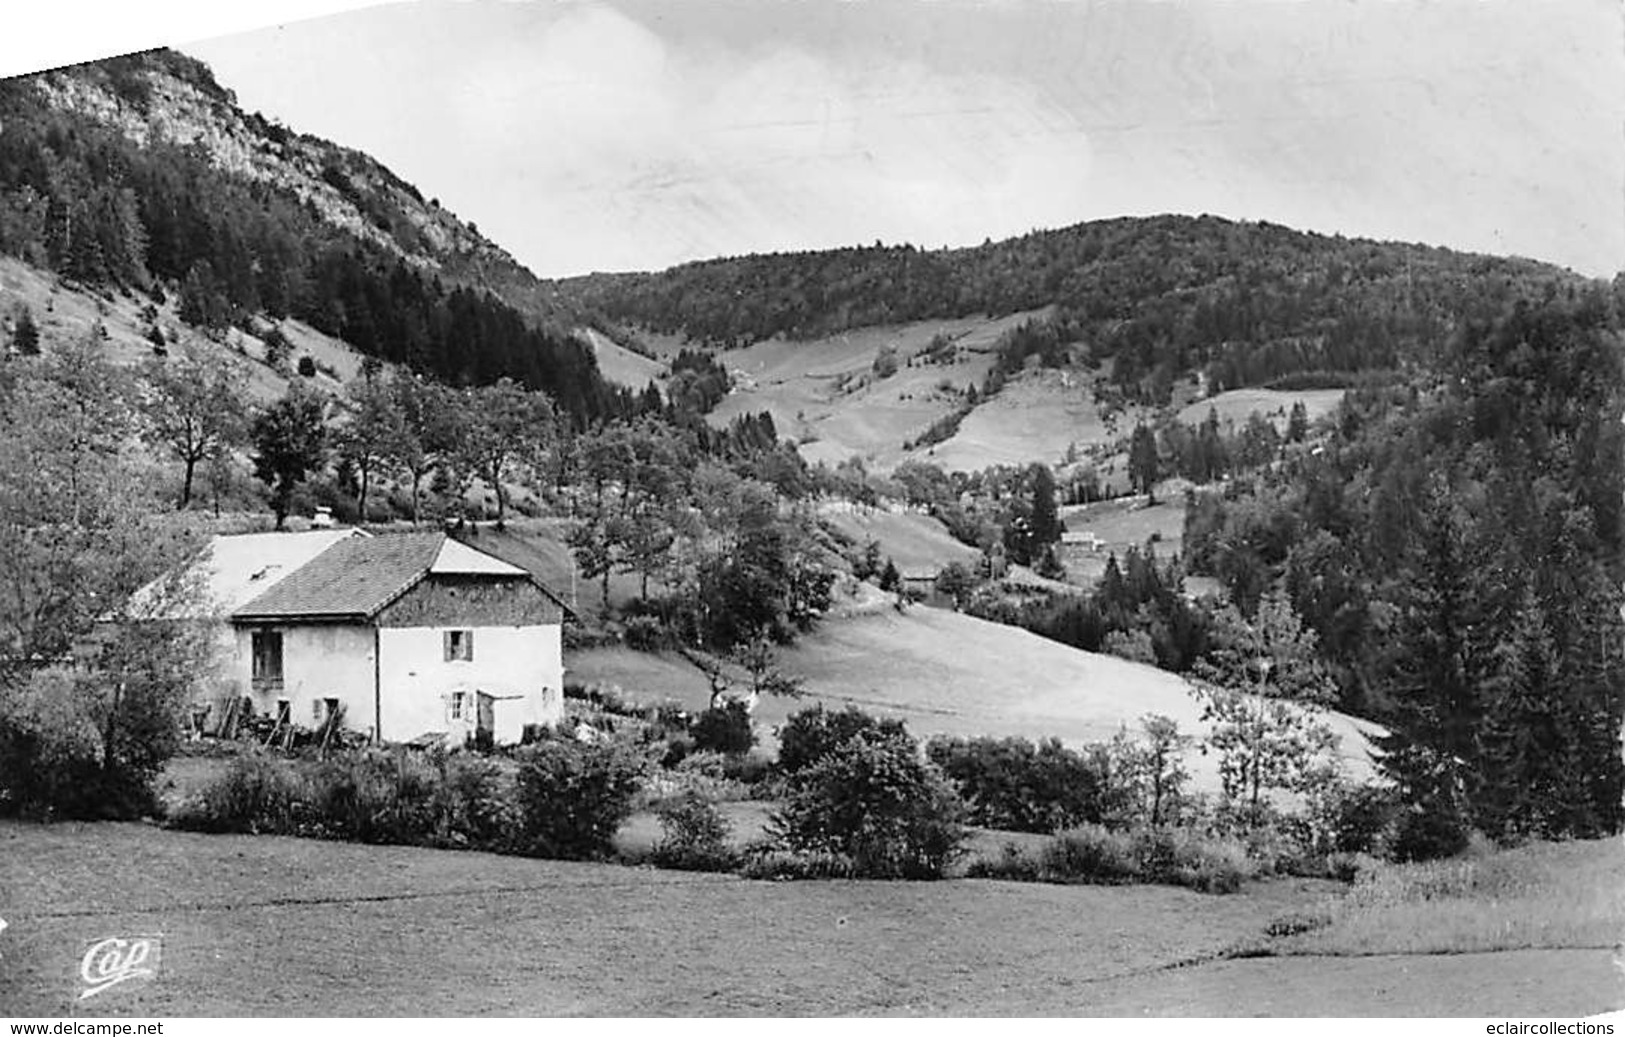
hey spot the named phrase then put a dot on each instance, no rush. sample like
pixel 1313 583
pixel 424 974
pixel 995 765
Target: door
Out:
pixel 485 715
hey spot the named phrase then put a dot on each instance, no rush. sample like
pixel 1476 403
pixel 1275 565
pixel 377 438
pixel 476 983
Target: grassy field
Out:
pixel 1545 895
pixel 946 673
pixel 1237 405
pixel 915 542
pixel 822 392
pixel 1035 417
pixel 280 926
pixel 622 366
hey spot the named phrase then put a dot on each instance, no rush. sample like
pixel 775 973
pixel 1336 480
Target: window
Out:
pixel 460 645
pixel 266 649
pixel 459 706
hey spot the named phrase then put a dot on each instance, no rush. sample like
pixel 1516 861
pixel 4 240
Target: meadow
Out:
pixel 282 926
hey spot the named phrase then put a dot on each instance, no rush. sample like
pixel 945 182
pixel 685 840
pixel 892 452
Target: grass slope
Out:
pixel 800 384
pixel 620 365
pixel 946 673
pixel 915 542
pixel 65 312
pixel 1237 405
pixel 1035 417
pixel 1544 895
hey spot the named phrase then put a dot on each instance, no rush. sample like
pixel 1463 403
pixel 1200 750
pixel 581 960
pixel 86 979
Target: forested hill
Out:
pixel 140 173
pixel 1249 303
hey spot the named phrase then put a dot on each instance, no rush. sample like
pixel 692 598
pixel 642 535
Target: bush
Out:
pixel 705 774
pixel 1014 863
pixel 1363 819
pixel 1430 831
pixel 811 734
pixel 1012 784
pixel 695 835
pixel 89 741
pixel 258 793
pixel 724 729
pixel 874 802
pixel 678 747
pixel 376 796
pixel 475 806
pixel 645 633
pixel 778 864
pixel 1090 853
pixel 573 796
pixel 1095 854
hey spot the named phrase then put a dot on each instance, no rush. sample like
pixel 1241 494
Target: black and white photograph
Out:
pixel 813 509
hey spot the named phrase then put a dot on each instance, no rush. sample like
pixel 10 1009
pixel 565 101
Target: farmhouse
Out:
pixel 406 635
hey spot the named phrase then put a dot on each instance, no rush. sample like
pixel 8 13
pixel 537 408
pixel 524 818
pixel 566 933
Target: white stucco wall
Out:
pixel 319 661
pixel 523 667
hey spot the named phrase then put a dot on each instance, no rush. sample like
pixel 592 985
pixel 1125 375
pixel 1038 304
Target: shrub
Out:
pixel 1014 863
pixel 1012 784
pixel 778 864
pixel 1363 819
pixel 751 769
pixel 307 367
pixel 573 796
pixel 376 796
pixel 1090 853
pixel 724 729
pixel 88 741
pixel 874 802
pixel 1095 854
pixel 258 793
pixel 695 835
pixel 644 633
pixel 705 774
pixel 678 747
pixel 475 806
pixel 812 734
pixel 1429 831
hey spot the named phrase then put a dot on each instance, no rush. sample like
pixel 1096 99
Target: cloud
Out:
pixel 651 155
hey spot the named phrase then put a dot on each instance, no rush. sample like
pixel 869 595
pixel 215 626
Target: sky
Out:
pixel 633 134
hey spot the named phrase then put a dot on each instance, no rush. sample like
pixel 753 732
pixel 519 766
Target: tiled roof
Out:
pixel 352 579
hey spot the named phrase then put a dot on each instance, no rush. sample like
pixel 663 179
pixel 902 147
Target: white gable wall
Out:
pixel 523 667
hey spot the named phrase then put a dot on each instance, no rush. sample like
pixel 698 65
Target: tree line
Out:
pixel 1249 304
pixel 1457 549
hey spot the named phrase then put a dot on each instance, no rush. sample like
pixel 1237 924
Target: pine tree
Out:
pixel 1432 748
pixel 1144 466
pixel 1045 524
pixel 25 336
pixel 1297 425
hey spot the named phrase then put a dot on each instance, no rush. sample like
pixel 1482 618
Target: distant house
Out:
pixel 409 635
pixel 1084 538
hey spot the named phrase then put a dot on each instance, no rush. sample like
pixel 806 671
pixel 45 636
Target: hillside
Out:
pixel 829 396
pixel 141 176
pixel 63 310
pixel 1249 302
pixel 952 674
